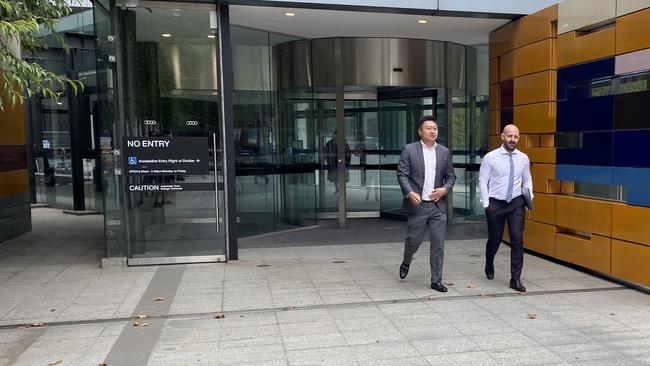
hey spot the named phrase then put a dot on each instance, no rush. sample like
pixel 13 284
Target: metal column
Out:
pixel 450 129
pixel 226 85
pixel 340 135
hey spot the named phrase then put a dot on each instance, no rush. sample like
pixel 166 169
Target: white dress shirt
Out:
pixel 495 172
pixel 429 154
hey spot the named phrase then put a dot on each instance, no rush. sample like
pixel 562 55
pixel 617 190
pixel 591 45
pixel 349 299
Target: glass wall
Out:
pixel 275 140
pixel 159 90
pixel 53 169
pixel 379 120
pixel 469 119
pixel 299 155
pixel 110 130
pixel 157 68
pixel 50 121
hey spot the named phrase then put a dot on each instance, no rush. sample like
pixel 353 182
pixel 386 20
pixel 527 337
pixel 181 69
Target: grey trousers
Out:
pixel 427 215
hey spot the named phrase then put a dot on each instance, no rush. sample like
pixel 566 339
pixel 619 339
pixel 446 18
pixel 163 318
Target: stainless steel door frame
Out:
pixel 149 261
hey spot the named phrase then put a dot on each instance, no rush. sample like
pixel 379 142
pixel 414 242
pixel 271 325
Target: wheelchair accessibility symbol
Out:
pixel 133 160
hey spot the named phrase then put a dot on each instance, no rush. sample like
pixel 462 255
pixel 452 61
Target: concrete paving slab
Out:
pixel 307 309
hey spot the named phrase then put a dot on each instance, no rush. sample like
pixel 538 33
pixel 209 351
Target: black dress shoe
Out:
pixel 403 270
pixel 517 286
pixel 489 272
pixel 438 287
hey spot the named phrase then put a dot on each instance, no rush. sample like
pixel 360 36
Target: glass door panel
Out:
pixel 175 211
pixel 53 168
pixel 362 176
pixel 375 132
pixel 398 124
pixel 328 189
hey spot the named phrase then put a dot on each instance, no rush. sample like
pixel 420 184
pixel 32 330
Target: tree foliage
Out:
pixel 20 20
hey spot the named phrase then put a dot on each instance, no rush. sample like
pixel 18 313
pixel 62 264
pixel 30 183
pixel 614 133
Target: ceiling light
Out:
pixel 211 36
pixel 289 14
pixel 131 4
pixel 565 25
pixel 166 35
pixel 423 21
pixel 59 103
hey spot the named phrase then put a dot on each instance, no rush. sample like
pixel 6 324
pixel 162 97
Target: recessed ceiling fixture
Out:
pixel 423 21
pixel 211 36
pixel 289 14
pixel 166 35
pixel 565 25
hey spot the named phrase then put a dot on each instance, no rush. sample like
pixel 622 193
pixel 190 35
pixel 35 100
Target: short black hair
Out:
pixel 426 118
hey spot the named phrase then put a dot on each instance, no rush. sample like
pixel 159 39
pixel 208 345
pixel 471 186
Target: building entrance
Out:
pixel 264 108
pixel 320 124
pixel 360 99
pixel 377 125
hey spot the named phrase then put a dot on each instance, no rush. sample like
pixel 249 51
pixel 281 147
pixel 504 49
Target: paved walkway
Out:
pixel 303 305
pixel 359 231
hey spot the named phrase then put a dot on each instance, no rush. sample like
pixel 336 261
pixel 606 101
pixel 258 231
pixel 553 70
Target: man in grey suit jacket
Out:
pixel 426 175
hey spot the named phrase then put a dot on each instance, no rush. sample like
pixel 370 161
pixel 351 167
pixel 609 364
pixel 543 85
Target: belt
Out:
pixel 504 201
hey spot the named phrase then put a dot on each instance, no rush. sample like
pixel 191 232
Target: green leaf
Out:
pixel 23 18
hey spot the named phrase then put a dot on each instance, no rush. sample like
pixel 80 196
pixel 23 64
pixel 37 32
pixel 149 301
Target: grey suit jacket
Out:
pixel 410 173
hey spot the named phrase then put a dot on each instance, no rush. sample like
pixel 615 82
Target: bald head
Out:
pixel 510 128
pixel 510 137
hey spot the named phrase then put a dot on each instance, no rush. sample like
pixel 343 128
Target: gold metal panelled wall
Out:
pixel 612 237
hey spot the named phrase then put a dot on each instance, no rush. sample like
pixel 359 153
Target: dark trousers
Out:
pixel 497 213
pixel 427 215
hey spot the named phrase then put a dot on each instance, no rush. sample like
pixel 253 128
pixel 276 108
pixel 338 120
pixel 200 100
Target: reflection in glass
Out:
pixel 275 140
pixel 601 191
pixel 635 83
pixel 568 140
pixel 53 165
pixel 362 135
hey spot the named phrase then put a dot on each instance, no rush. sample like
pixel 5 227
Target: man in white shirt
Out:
pixel 504 173
pixel 426 175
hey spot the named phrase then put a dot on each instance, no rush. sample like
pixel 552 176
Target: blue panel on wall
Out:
pixel 637 184
pixel 587 114
pixel 632 148
pixel 596 150
pixel 584 174
pixel 569 77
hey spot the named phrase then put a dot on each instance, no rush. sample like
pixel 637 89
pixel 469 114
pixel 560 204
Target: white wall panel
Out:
pixel 577 14
pixel 629 6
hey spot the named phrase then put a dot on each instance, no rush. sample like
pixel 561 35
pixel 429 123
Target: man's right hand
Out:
pixel 414 198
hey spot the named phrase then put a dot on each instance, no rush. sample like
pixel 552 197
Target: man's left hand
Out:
pixel 437 194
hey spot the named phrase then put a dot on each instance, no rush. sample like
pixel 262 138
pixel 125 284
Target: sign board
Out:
pixel 170 187
pixel 166 155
